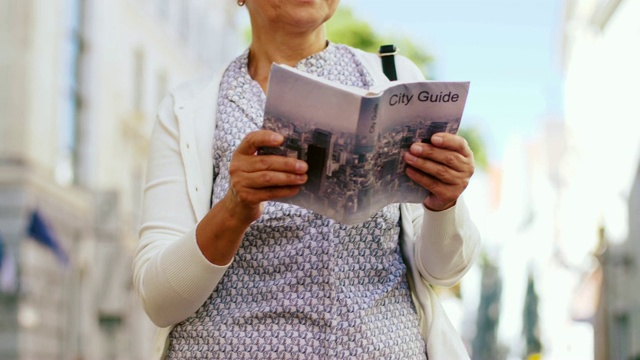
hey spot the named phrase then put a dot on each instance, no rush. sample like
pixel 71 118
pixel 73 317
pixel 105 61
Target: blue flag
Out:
pixel 8 270
pixel 40 231
pixel 2 251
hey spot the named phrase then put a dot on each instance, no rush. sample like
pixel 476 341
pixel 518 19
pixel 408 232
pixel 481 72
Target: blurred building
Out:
pixel 524 257
pixel 600 201
pixel 79 84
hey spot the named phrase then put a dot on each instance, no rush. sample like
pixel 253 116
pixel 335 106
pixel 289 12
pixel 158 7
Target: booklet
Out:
pixel 354 139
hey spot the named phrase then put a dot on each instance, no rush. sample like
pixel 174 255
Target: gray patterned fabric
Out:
pixel 301 285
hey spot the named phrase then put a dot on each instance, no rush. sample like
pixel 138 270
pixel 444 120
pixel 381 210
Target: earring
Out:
pixel 241 2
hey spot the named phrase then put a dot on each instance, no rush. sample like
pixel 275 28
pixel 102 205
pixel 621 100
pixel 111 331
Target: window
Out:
pixel 184 21
pixel 138 79
pixel 163 7
pixel 66 168
pixel 620 337
pixel 162 86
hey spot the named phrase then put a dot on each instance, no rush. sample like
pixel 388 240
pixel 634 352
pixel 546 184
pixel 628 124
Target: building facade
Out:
pixel 80 81
pixel 601 53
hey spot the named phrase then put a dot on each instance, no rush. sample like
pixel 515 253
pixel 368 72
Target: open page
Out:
pixel 354 141
pixel 409 113
pixel 319 121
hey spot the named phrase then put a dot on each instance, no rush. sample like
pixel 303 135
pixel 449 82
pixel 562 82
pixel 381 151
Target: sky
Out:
pixel 510 50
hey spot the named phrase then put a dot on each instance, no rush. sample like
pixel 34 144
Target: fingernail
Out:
pixel 410 158
pixel 416 148
pixel 301 166
pixel 437 140
pixel 277 138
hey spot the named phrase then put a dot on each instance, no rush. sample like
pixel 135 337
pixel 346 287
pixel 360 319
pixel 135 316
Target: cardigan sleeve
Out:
pixel 170 273
pixel 447 244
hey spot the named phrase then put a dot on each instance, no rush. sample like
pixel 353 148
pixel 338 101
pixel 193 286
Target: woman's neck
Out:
pixel 288 49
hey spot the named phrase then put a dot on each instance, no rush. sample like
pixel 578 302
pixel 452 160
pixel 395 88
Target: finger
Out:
pixel 439 192
pixel 449 158
pixel 440 171
pixel 426 181
pixel 267 179
pixel 452 142
pixel 254 163
pixel 257 139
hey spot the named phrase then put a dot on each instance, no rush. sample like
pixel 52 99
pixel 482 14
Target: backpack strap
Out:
pixel 387 56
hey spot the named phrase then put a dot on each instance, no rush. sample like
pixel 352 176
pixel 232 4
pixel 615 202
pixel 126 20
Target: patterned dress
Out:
pixel 301 286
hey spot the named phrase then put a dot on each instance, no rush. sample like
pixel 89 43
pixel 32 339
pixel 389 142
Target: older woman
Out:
pixel 228 274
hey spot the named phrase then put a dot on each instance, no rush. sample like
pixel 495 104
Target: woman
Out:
pixel 228 274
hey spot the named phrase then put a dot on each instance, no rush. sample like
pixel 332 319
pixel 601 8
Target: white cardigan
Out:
pixel 173 277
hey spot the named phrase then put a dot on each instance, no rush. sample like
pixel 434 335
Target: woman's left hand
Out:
pixel 443 167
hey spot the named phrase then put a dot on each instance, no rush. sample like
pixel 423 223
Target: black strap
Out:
pixel 387 57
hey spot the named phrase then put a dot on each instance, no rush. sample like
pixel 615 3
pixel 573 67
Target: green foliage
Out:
pixel 530 319
pixel 346 28
pixel 477 145
pixel 417 54
pixel 247 36
pixel 485 344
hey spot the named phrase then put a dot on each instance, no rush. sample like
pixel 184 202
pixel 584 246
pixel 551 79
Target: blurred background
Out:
pixel 552 115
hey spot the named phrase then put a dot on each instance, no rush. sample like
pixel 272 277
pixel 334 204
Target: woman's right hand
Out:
pixel 258 178
pixel 253 180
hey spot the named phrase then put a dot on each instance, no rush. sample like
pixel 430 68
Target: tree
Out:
pixel 485 345
pixel 530 326
pixel 477 145
pixel 346 28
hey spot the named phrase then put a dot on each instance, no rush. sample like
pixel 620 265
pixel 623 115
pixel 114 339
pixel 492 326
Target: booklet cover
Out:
pixel 354 139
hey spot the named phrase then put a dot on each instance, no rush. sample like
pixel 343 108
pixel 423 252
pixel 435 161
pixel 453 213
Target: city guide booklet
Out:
pixel 354 139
